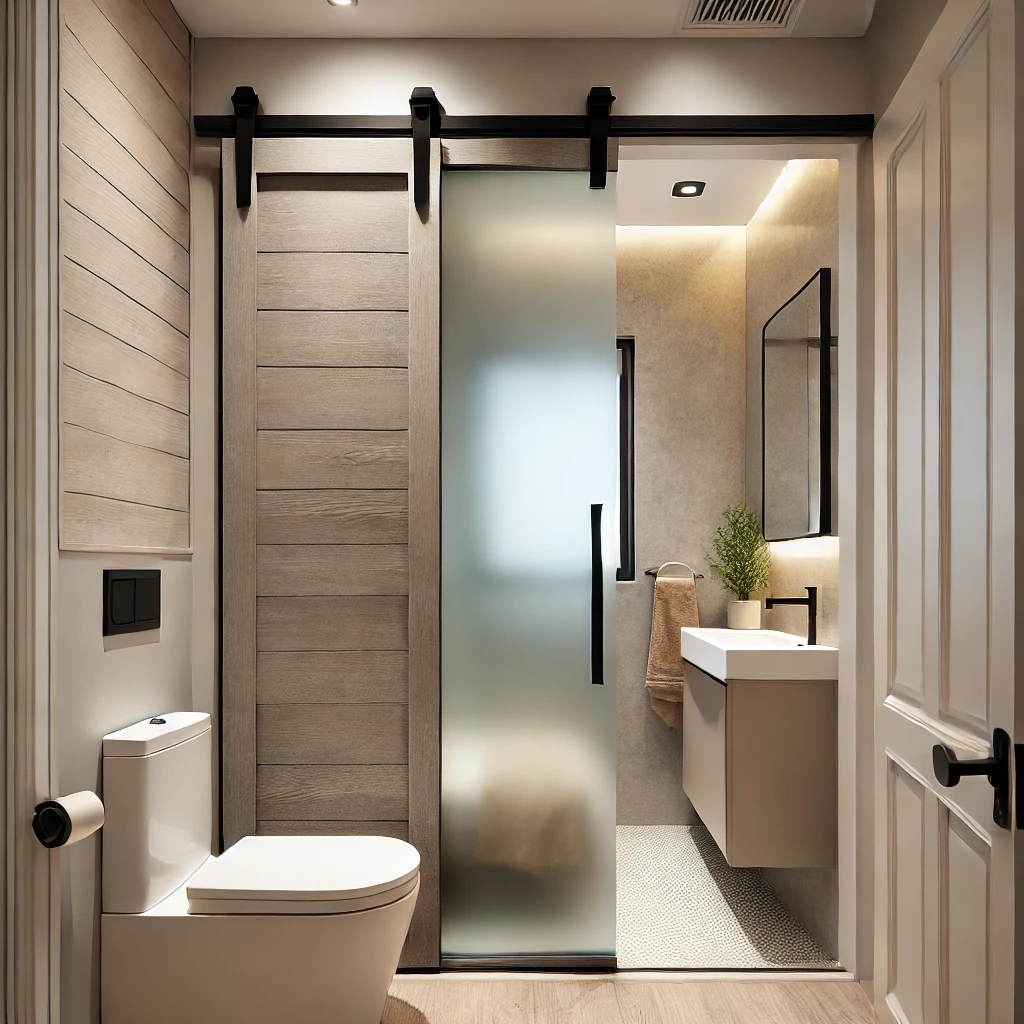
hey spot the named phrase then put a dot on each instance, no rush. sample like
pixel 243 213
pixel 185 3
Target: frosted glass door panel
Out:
pixel 529 435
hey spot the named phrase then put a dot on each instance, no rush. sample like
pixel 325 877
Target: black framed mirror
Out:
pixel 798 407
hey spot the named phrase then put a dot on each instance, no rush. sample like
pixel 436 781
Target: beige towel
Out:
pixel 675 606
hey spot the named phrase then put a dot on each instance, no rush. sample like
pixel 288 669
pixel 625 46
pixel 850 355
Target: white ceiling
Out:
pixel 735 189
pixel 497 19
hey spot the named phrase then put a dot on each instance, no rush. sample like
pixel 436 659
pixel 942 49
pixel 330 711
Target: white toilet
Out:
pixel 278 928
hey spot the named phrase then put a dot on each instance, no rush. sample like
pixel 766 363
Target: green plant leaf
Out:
pixel 742 559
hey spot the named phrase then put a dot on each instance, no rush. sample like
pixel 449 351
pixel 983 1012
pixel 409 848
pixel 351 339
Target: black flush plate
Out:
pixel 131 600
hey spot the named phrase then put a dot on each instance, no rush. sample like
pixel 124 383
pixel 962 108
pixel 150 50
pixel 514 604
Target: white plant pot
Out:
pixel 744 614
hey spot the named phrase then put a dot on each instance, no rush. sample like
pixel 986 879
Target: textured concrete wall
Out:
pixel 681 294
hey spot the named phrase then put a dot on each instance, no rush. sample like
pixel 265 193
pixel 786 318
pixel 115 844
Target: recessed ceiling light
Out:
pixel 688 189
pixel 343 3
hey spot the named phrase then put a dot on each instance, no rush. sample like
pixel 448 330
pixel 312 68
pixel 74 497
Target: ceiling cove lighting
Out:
pixel 688 189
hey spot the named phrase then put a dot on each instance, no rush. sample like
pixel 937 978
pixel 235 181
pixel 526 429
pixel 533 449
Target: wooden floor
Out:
pixel 454 1000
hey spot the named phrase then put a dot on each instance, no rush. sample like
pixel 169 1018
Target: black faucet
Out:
pixel 811 600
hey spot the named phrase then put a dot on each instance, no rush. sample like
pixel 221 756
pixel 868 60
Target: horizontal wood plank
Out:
pixel 323 398
pixel 90 246
pixel 140 29
pixel 99 96
pixel 107 358
pixel 129 74
pixel 328 570
pixel 106 409
pixel 332 280
pixel 394 829
pixel 90 298
pixel 91 522
pixel 332 623
pixel 306 459
pixel 332 517
pixel 332 156
pixel 93 196
pixel 332 677
pixel 332 734
pixel 87 139
pixel 170 21
pixel 335 792
pixel 334 220
pixel 320 338
pixel 104 466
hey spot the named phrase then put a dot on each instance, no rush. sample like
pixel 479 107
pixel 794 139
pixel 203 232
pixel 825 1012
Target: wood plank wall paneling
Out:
pixel 125 81
pixel 319 408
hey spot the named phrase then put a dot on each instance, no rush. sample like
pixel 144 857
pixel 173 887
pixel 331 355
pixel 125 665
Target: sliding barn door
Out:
pixel 946 673
pixel 330 501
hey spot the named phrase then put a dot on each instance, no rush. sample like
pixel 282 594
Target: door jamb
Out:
pixel 31 877
pixel 854 515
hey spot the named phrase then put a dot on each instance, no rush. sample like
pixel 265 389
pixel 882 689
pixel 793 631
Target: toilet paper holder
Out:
pixel 68 819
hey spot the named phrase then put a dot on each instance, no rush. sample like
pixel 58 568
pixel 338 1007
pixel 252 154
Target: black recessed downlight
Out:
pixel 688 189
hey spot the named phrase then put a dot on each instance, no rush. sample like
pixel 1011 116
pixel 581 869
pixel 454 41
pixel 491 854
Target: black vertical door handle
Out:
pixel 596 598
pixel 949 770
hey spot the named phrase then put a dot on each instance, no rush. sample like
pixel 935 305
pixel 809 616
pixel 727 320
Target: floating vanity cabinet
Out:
pixel 760 768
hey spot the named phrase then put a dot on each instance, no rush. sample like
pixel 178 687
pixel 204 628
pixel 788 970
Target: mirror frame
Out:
pixel 825 512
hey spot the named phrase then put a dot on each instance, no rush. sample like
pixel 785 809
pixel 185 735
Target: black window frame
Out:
pixel 626 571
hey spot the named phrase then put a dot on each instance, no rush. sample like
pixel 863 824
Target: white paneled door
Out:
pixel 946 527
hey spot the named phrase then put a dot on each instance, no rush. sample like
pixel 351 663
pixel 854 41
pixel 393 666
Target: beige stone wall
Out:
pixel 681 295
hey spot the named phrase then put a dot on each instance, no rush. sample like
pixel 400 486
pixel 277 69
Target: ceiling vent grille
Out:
pixel 740 17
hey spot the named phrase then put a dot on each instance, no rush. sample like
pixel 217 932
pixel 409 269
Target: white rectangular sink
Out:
pixel 757 654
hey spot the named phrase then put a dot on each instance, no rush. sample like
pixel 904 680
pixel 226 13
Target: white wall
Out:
pixel 537 76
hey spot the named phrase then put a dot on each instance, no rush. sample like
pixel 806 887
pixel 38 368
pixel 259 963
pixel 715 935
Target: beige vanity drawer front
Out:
pixel 704 750
pixel 760 768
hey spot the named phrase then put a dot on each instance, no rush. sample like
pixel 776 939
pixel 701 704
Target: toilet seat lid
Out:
pixel 295 869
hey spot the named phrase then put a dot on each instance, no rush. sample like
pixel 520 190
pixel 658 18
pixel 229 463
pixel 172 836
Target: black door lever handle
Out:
pixel 949 770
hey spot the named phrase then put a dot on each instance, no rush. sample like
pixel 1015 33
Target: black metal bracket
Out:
pixel 426 125
pixel 599 116
pixel 245 101
pixel 949 770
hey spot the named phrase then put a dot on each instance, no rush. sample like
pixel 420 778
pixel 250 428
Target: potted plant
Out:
pixel 742 561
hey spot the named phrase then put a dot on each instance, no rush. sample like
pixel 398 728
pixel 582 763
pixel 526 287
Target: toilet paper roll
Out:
pixel 68 819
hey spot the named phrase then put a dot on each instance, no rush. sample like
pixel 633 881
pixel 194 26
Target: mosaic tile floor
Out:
pixel 680 906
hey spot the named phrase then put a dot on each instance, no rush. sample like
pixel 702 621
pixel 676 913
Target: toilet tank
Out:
pixel 157 797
